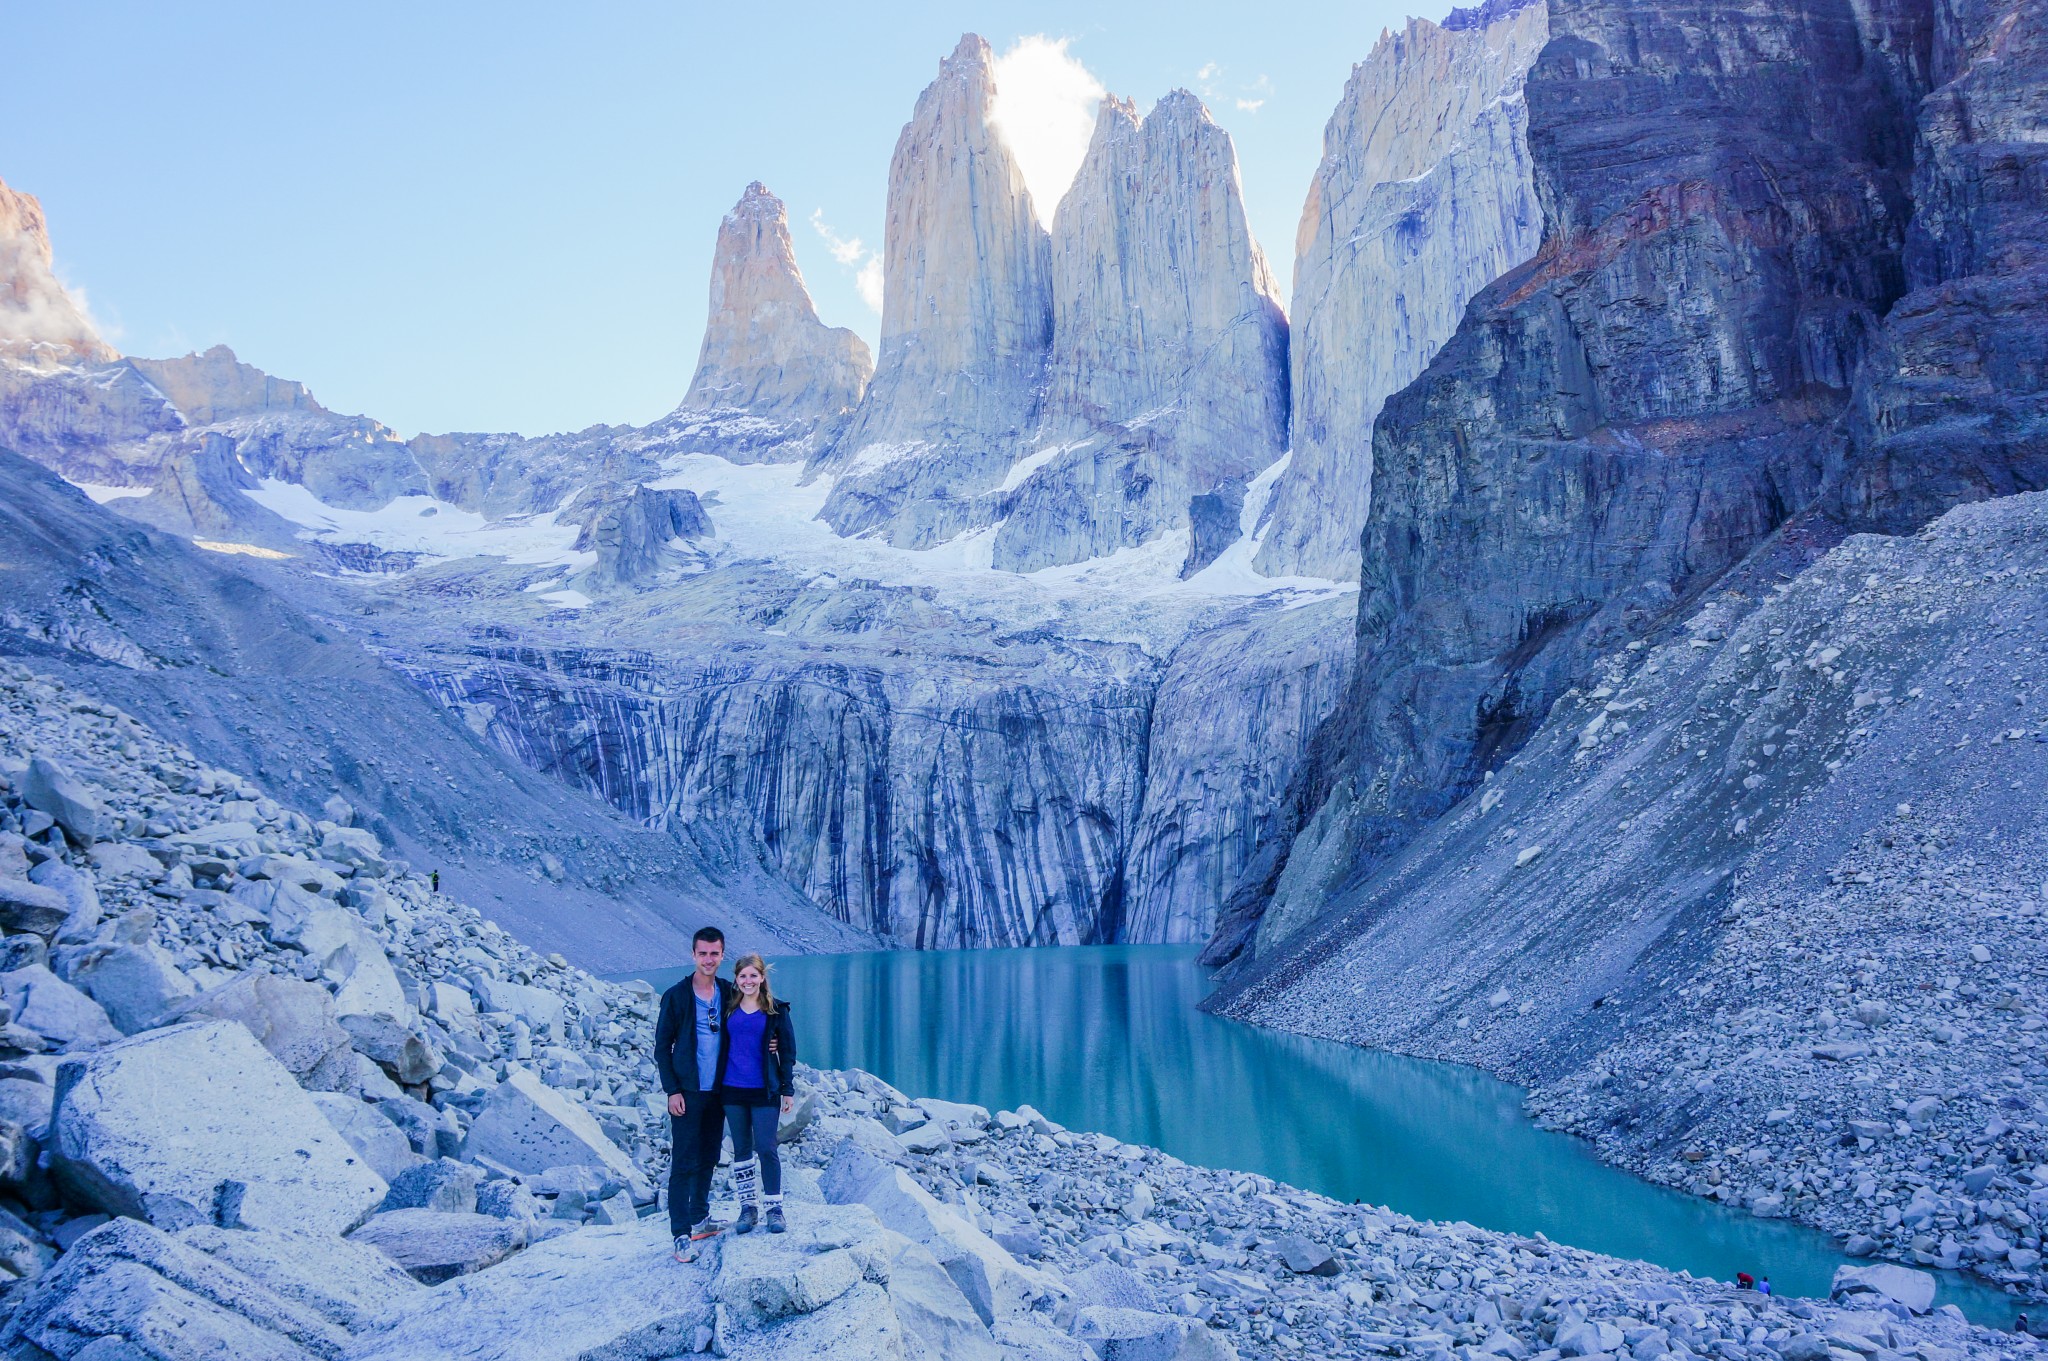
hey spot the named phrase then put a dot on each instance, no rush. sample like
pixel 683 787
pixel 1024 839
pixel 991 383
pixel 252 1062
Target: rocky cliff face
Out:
pixel 1424 196
pixel 1628 415
pixel 41 325
pixel 1952 404
pixel 765 353
pixel 215 386
pixel 1001 793
pixel 1167 378
pixel 966 319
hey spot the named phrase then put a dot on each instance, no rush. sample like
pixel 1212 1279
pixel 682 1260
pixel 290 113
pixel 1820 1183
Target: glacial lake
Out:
pixel 1109 1038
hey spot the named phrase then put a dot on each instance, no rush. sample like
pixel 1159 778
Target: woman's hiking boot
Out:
pixel 776 1223
pixel 750 1215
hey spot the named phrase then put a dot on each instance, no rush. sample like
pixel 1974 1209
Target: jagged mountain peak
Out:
pixel 765 350
pixel 40 322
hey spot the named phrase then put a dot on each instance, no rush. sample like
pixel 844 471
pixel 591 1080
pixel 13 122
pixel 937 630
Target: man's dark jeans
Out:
pixel 694 1140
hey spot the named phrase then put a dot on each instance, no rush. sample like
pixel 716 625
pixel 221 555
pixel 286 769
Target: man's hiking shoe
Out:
pixel 749 1216
pixel 707 1227
pixel 776 1223
pixel 686 1249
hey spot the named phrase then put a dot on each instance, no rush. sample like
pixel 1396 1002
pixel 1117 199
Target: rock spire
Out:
pixel 966 319
pixel 765 350
pixel 1423 197
pixel 40 323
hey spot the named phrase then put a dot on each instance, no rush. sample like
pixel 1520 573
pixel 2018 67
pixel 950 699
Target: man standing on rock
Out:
pixel 686 1053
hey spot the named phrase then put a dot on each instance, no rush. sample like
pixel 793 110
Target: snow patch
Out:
pixel 101 493
pixel 428 526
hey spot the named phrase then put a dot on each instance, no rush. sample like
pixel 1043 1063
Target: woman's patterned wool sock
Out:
pixel 746 1181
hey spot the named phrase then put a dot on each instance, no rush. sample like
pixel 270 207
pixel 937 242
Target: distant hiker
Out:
pixel 1744 1281
pixel 435 879
pixel 757 1085
pixel 2020 1325
pixel 687 1050
pixel 1763 1285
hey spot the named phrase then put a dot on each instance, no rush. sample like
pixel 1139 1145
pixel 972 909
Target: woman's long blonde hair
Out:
pixel 767 998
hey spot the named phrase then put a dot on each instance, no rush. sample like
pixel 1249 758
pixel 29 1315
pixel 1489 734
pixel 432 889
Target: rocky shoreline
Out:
pixel 267 1094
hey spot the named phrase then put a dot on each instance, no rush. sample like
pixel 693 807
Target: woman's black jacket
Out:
pixel 778 1050
pixel 676 1030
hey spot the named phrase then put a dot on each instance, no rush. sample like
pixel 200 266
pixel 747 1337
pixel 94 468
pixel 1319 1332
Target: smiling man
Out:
pixel 686 1053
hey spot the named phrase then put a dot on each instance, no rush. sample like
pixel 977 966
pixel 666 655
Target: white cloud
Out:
pixel 847 250
pixel 1210 70
pixel 1250 105
pixel 869 282
pixel 1044 111
pixel 851 252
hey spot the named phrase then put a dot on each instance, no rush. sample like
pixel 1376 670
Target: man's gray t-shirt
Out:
pixel 707 1039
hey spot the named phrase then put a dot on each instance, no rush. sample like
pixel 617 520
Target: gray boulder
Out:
pixel 81 895
pixel 508 1200
pixel 416 1120
pixel 931 1307
pixel 443 1184
pixel 198 1124
pixel 293 1020
pixel 529 1127
pixel 597 1293
pixel 375 1139
pixel 348 1284
pixel 54 1009
pixel 166 1301
pixel 26 906
pixel 1899 1284
pixel 1133 1335
pixel 137 984
pixel 995 1283
pixel 538 1007
pixel 49 788
pixel 438 1245
pixel 407 1057
pixel 1305 1258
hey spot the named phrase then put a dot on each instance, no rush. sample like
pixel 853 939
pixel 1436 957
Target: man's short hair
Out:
pixel 707 933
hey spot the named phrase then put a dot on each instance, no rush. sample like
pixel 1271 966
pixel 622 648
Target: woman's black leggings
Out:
pixel 753 1135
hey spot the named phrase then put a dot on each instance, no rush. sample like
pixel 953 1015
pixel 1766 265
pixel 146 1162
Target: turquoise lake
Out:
pixel 1109 1038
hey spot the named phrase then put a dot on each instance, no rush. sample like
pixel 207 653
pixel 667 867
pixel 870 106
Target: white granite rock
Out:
pixel 196 1124
pixel 530 1127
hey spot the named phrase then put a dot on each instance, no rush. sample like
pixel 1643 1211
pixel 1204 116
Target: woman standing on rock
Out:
pixel 757 1083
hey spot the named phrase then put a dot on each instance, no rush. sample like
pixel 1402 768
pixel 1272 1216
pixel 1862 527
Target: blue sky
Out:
pixel 488 217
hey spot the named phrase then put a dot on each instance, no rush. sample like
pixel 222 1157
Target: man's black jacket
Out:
pixel 678 1027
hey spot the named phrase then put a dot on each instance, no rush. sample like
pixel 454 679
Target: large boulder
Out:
pixel 348 1284
pixel 26 906
pixel 530 1127
pixel 994 1282
pixel 438 1245
pixel 50 788
pixel 197 1124
pixel 81 895
pixel 294 1020
pixel 442 1184
pixel 375 1139
pixel 344 949
pixel 539 1008
pixel 403 1054
pixel 1899 1284
pixel 60 1013
pixel 1115 1334
pixel 603 1292
pixel 137 983
pixel 166 1301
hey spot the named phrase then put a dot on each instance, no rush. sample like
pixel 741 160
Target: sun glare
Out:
pixel 1044 111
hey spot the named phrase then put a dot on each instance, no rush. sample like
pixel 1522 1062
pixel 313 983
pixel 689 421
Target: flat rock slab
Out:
pixel 438 1245
pixel 348 1284
pixel 610 1294
pixel 165 1299
pixel 1900 1284
pixel 198 1124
